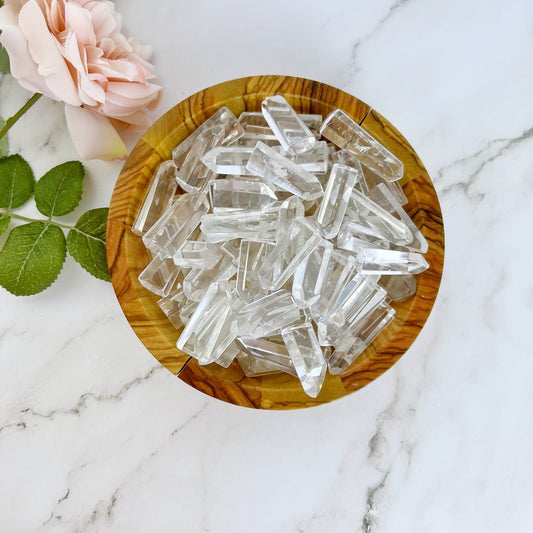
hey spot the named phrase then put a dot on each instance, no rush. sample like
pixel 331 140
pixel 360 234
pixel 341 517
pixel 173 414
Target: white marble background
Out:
pixel 96 437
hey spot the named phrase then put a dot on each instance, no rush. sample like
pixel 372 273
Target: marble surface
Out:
pixel 96 437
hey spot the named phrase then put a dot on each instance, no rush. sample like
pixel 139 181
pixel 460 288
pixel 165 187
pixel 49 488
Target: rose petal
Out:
pixel 103 19
pixel 78 20
pixel 93 135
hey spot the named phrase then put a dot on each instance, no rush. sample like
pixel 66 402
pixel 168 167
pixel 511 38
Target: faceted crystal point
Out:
pixel 339 271
pixel 390 262
pixel 228 160
pixel 342 157
pixel 353 235
pixel 251 256
pixel 195 254
pixel 359 338
pixel 232 131
pixel 378 219
pixel 289 209
pixel 310 275
pixel 176 224
pixel 340 129
pixel 290 251
pixel 157 199
pixel 266 315
pixel 315 160
pixel 160 275
pixel 306 355
pixel 283 173
pixel 336 197
pixel 288 127
pixel 235 194
pixel 193 174
pixel 399 288
pixel 372 179
pixel 171 306
pixel 385 197
pixel 264 357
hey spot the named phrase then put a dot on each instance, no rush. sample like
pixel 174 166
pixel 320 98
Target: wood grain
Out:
pixel 127 256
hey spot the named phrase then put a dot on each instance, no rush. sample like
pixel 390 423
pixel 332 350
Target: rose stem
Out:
pixel 11 121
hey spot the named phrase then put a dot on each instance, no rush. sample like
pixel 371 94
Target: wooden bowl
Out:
pixel 127 256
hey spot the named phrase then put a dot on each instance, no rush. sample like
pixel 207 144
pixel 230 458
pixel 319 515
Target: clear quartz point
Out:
pixel 336 197
pixel 353 235
pixel 187 310
pixel 315 160
pixel 198 280
pixel 176 224
pixel 267 314
pixel 378 219
pixel 251 256
pixel 372 179
pixel 235 194
pixel 307 356
pixel 228 160
pixel 193 174
pixel 342 130
pixel 290 130
pixel 157 199
pixel 194 254
pixel 160 275
pixel 390 262
pixel 399 288
pixel 360 293
pixel 342 157
pixel 339 271
pixel 262 356
pixel 284 173
pixel 360 337
pixel 232 131
pixel 310 275
pixel 259 225
pixel 289 209
pixel 291 250
pixel 384 197
pixel 172 304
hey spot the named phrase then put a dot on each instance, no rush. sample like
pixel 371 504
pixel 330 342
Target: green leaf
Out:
pixel 16 181
pixel 86 242
pixel 3 140
pixel 58 192
pixel 32 258
pixel 4 59
pixel 4 223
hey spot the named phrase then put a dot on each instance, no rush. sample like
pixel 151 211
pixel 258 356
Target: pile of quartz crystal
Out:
pixel 287 246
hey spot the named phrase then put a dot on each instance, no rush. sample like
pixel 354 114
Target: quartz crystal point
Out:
pixel 172 304
pixel 289 209
pixel 384 197
pixel 262 356
pixel 265 315
pixel 399 288
pixel 290 251
pixel 235 194
pixel 290 130
pixel 283 173
pixel 157 199
pixel 187 310
pixel 198 280
pixel 306 355
pixel 342 157
pixel 230 160
pixel 194 254
pixel 310 275
pixel 372 179
pixel 193 174
pixel 160 275
pixel 251 256
pixel 340 129
pixel 358 339
pixel 259 225
pixel 224 117
pixel 336 197
pixel 362 293
pixel 315 160
pixel 176 224
pixel 339 271
pixel 353 235
pixel 390 262
pixel 378 219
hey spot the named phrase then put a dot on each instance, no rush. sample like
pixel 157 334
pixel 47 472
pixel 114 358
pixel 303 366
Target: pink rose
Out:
pixel 74 51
